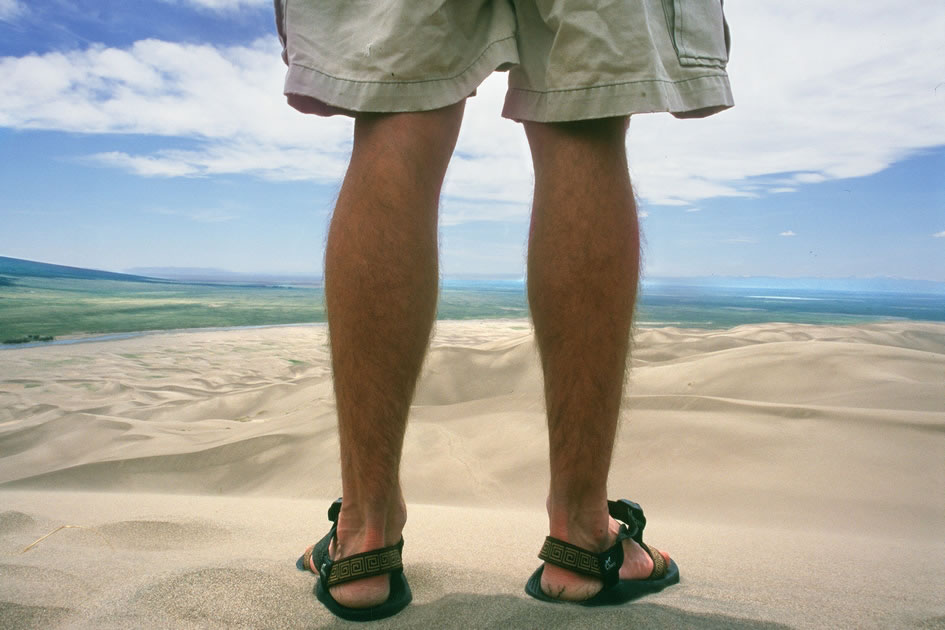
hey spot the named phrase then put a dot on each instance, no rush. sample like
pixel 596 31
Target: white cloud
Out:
pixel 458 211
pixel 223 158
pixel 157 88
pixel 854 96
pixel 148 166
pixel 222 5
pixel 939 234
pixel 788 233
pixel 227 99
pixel 851 97
pixel 693 209
pixel 11 9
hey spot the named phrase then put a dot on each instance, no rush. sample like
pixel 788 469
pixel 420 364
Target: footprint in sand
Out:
pixel 12 521
pixel 148 535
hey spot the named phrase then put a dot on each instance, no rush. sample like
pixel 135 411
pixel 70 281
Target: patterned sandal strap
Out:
pixel 603 566
pixel 364 565
pixel 660 568
pixel 307 561
pixel 571 557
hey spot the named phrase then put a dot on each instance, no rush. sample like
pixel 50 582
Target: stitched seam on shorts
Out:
pixel 710 57
pixel 607 85
pixel 416 81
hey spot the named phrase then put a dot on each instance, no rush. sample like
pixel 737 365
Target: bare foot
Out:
pixel 351 538
pixel 566 585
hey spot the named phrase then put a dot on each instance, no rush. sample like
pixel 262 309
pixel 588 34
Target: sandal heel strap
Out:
pixel 603 566
pixel 364 565
pixel 570 557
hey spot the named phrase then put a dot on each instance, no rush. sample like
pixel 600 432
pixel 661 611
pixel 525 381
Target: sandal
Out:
pixel 359 566
pixel 606 566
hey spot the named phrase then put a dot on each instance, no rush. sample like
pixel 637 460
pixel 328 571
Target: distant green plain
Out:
pixel 57 307
pixel 34 307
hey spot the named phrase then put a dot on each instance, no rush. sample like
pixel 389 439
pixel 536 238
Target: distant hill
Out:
pixel 18 267
pixel 40 302
pixel 213 275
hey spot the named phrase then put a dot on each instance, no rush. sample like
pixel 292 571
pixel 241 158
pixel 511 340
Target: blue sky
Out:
pixel 154 133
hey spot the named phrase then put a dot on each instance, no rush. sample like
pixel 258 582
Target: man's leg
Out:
pixel 380 295
pixel 583 266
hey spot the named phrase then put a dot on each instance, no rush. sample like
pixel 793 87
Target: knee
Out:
pixel 427 138
pixel 556 141
pixel 603 128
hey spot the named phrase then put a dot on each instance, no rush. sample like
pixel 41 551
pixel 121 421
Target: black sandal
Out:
pixel 359 566
pixel 606 566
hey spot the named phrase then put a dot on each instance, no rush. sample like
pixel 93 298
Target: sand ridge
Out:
pixel 196 466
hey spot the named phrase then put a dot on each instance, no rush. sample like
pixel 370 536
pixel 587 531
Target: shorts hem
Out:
pixel 350 96
pixel 690 98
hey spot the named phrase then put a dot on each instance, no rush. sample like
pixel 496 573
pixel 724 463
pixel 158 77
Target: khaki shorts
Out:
pixel 566 59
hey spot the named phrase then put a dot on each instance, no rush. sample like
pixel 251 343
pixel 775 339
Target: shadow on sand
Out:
pixel 464 610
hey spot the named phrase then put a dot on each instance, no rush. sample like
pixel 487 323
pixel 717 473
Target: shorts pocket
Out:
pixel 699 30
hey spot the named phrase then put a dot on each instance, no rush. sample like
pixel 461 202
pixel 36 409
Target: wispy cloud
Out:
pixel 788 233
pixel 202 215
pixel 791 126
pixel 221 5
pixel 145 165
pixel 11 9
pixel 459 211
pixel 223 158
pixel 939 234
pixel 810 178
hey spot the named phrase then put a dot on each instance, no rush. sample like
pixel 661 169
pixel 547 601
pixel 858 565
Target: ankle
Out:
pixel 363 527
pixel 583 523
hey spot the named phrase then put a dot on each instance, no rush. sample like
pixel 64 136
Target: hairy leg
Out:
pixel 583 267
pixel 380 294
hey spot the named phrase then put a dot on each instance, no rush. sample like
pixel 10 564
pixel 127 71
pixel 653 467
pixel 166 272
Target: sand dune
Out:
pixel 795 472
